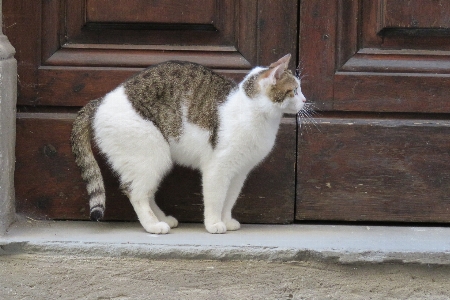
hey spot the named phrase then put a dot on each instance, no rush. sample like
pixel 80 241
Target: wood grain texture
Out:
pixel 150 22
pixel 49 186
pixel 392 92
pixel 277 24
pixel 75 86
pixel 356 64
pixel 399 61
pixel 317 50
pixel 54 43
pixel 347 34
pixel 415 14
pixel 405 24
pixel 151 11
pixel 248 37
pixel 375 170
pixel 54 28
pixel 20 25
pixel 144 58
pixel 153 22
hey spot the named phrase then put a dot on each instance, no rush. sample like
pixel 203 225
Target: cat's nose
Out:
pixel 302 97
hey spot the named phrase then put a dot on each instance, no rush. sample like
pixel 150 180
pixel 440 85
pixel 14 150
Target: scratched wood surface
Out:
pixel 360 169
pixel 49 185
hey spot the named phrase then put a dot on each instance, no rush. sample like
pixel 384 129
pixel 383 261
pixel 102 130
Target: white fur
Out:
pixel 192 148
pixel 138 152
pixel 141 156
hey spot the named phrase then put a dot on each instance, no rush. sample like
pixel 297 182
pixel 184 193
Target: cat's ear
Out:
pixel 282 61
pixel 272 75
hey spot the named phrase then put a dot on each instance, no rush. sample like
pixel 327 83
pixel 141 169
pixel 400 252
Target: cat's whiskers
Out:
pixel 306 116
pixel 303 124
pixel 307 113
pixel 311 108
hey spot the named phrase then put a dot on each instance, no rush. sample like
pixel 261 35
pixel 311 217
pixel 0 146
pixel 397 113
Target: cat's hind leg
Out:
pixel 139 198
pixel 171 221
pixel 148 166
pixel 138 153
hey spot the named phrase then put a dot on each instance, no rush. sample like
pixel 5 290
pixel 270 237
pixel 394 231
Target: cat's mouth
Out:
pixel 294 105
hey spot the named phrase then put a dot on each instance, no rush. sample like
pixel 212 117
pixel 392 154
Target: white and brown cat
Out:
pixel 184 113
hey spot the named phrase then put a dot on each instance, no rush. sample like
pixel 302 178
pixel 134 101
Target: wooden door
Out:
pixel 380 72
pixel 73 51
pixel 377 70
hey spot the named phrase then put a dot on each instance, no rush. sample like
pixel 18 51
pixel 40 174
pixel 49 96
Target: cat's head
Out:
pixel 277 84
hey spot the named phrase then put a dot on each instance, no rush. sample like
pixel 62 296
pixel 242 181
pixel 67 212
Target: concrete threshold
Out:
pixel 340 243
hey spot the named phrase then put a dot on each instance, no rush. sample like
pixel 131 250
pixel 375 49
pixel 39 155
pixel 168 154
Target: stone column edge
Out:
pixel 8 99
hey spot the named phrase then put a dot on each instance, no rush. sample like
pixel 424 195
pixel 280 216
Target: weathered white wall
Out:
pixel 8 94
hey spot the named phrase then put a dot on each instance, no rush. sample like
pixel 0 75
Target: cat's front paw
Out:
pixel 158 228
pixel 233 224
pixel 171 221
pixel 218 227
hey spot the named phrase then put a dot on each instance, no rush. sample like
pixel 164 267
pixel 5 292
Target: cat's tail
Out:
pixel 81 147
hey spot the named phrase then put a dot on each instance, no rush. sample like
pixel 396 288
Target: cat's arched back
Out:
pixel 184 113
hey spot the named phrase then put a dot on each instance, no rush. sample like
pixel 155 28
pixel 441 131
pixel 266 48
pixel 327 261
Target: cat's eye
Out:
pixel 295 92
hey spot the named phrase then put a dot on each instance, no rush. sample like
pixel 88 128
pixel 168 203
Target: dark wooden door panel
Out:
pixel 49 185
pixel 359 169
pixel 70 52
pixel 112 38
pixel 151 11
pixel 151 22
pixel 387 60
pixel 397 92
pixel 415 14
pixel 373 43
pixel 55 37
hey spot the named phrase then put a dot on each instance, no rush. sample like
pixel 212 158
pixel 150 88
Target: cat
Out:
pixel 184 113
